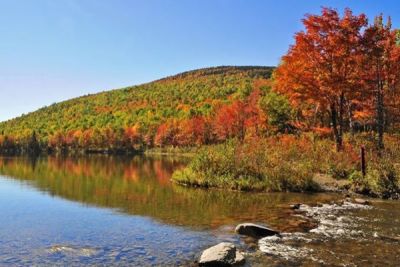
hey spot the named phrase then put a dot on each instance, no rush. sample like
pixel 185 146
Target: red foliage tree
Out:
pixel 230 121
pixel 239 117
pixel 167 133
pixel 132 137
pixel 192 131
pixel 321 67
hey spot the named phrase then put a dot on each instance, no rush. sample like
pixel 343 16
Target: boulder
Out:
pixel 295 206
pixel 239 260
pixel 361 201
pixel 254 230
pixel 223 254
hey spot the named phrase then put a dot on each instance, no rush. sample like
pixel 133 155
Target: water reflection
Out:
pixel 41 230
pixel 141 186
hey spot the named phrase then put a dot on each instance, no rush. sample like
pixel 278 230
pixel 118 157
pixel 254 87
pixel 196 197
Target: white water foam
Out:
pixel 275 245
pixel 332 223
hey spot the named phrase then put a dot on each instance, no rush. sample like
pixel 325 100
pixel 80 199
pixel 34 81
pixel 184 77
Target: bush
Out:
pixel 289 163
pixel 382 180
pixel 248 166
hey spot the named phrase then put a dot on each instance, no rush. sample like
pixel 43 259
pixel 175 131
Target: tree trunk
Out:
pixel 380 118
pixel 341 111
pixel 351 122
pixel 379 111
pixel 338 138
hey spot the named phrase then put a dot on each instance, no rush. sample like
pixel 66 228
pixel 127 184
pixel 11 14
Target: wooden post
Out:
pixel 363 163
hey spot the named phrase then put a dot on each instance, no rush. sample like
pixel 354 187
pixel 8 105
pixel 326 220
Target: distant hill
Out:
pixel 182 96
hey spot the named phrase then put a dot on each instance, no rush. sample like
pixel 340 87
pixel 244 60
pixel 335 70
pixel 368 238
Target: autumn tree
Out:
pixel 58 141
pixel 167 133
pixel 33 144
pixel 321 67
pixel 132 137
pixel 256 119
pixel 280 112
pixel 381 68
pixel 192 131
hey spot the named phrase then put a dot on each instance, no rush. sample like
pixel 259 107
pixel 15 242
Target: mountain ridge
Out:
pixel 180 97
pixel 208 70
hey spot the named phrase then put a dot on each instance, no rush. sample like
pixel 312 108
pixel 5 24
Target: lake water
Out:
pixel 102 210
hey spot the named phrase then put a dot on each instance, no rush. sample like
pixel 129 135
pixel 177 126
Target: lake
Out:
pixel 103 210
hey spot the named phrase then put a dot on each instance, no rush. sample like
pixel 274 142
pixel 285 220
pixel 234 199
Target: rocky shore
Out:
pixel 320 219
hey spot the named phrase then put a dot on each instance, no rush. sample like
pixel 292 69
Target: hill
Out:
pixel 91 120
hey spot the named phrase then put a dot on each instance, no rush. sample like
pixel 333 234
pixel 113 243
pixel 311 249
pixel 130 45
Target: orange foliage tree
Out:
pixel 320 69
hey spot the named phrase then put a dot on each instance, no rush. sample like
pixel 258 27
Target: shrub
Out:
pixel 251 165
pixel 289 163
pixel 382 180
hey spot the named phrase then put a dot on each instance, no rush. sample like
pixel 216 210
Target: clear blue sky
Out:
pixel 52 50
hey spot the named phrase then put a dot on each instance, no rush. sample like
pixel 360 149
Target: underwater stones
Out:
pixel 71 250
pixel 361 201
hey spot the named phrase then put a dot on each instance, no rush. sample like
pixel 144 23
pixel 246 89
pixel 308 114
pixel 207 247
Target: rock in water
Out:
pixel 223 254
pixel 254 230
pixel 361 201
pixel 239 260
pixel 295 206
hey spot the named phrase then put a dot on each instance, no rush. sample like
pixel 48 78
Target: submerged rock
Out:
pixel 254 230
pixel 71 250
pixel 223 254
pixel 300 223
pixel 361 201
pixel 389 238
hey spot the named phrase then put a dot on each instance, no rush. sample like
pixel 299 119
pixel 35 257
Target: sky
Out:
pixel 54 50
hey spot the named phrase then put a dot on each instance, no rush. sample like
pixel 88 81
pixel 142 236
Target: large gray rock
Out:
pixel 223 254
pixel 254 230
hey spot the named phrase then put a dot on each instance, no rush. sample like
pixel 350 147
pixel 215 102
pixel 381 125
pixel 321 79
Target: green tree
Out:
pixel 278 109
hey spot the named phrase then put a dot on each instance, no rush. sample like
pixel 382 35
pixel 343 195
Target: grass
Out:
pixel 171 150
pixel 245 167
pixel 290 163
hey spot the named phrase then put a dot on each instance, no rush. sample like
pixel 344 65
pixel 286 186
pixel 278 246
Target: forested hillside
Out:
pixel 137 116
